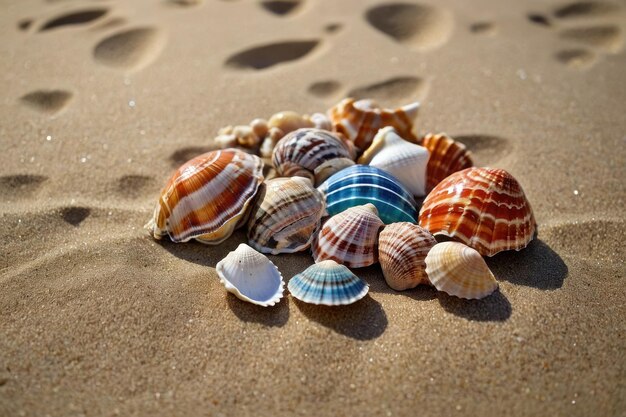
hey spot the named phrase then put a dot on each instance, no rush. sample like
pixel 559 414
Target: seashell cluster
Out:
pixel 484 208
pixel 447 156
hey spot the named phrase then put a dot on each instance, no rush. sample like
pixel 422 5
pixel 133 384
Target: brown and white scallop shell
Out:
pixel 447 156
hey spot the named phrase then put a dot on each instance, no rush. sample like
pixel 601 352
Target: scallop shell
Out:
pixel 207 197
pixel 484 208
pixel 330 167
pixel 285 216
pixel 447 156
pixel 459 270
pixel 327 283
pixel 301 151
pixel 361 120
pixel 361 184
pixel 404 160
pixel 251 276
pixel 349 238
pixel 402 248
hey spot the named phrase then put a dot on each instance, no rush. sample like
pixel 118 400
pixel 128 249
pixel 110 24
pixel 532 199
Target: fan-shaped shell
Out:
pixel 285 216
pixel 362 184
pixel 447 156
pixel 327 283
pixel 404 160
pixel 360 120
pixel 303 150
pixel 207 197
pixel 402 248
pixel 459 270
pixel 484 208
pixel 349 238
pixel 251 276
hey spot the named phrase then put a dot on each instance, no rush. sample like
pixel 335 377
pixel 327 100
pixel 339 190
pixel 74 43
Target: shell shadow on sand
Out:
pixel 495 307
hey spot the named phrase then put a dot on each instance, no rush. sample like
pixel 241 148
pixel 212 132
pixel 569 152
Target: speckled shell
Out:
pixel 251 276
pixel 286 215
pixel 301 151
pixel 349 238
pixel 447 156
pixel 360 120
pixel 404 160
pixel 402 248
pixel 207 197
pixel 362 184
pixel 330 167
pixel 484 208
pixel 327 283
pixel 459 270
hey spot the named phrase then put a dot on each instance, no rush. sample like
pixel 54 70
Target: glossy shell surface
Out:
pixel 251 276
pixel 459 270
pixel 484 208
pixel 447 156
pixel 362 184
pixel 402 249
pixel 327 283
pixel 207 197
pixel 285 216
pixel 349 238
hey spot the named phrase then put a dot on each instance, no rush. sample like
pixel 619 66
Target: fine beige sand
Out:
pixel 101 100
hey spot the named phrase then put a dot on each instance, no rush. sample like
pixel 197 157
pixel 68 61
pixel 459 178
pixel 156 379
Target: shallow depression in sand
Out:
pixel 131 49
pixel 576 58
pixel 47 101
pixel 392 92
pixel 281 7
pixel 417 25
pixel 265 56
pixel 74 18
pixel 606 37
pixel 585 9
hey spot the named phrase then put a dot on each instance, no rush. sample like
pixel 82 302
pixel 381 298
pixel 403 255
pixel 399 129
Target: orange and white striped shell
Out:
pixel 402 249
pixel 207 197
pixel 360 120
pixel 459 270
pixel 447 156
pixel 350 237
pixel 484 208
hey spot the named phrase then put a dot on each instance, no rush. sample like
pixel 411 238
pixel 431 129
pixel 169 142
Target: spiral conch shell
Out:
pixel 447 156
pixel 459 270
pixel 404 160
pixel 251 276
pixel 484 208
pixel 402 249
pixel 286 215
pixel 360 120
pixel 207 197
pixel 350 238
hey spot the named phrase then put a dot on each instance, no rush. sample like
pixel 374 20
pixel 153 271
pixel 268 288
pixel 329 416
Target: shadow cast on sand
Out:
pixel 535 266
pixel 274 316
pixel 495 307
pixel 363 320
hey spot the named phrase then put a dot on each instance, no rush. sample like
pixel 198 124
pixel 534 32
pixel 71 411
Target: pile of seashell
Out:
pixel 369 206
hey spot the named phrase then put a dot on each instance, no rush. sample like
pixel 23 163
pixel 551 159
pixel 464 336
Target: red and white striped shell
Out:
pixel 350 237
pixel 207 197
pixel 484 208
pixel 402 249
pixel 447 156
pixel 360 120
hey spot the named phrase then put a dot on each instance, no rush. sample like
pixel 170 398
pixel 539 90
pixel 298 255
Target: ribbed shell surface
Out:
pixel 327 283
pixel 349 238
pixel 459 270
pixel 362 184
pixel 402 249
pixel 207 196
pixel 361 124
pixel 447 156
pixel 285 216
pixel 303 150
pixel 484 208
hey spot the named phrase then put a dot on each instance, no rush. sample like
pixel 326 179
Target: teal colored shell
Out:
pixel 327 283
pixel 361 184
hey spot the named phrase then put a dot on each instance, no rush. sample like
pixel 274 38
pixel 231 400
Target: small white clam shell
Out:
pixel 251 276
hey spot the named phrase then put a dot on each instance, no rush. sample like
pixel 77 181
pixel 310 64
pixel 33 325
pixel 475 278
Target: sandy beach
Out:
pixel 102 100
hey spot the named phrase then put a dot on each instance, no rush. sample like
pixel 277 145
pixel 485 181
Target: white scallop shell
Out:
pixel 251 276
pixel 402 159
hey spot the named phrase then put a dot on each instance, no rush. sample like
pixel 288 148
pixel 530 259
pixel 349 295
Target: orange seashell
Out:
pixel 360 120
pixel 447 156
pixel 207 197
pixel 484 208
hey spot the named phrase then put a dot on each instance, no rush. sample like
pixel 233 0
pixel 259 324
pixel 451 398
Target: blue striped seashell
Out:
pixel 327 283
pixel 361 184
